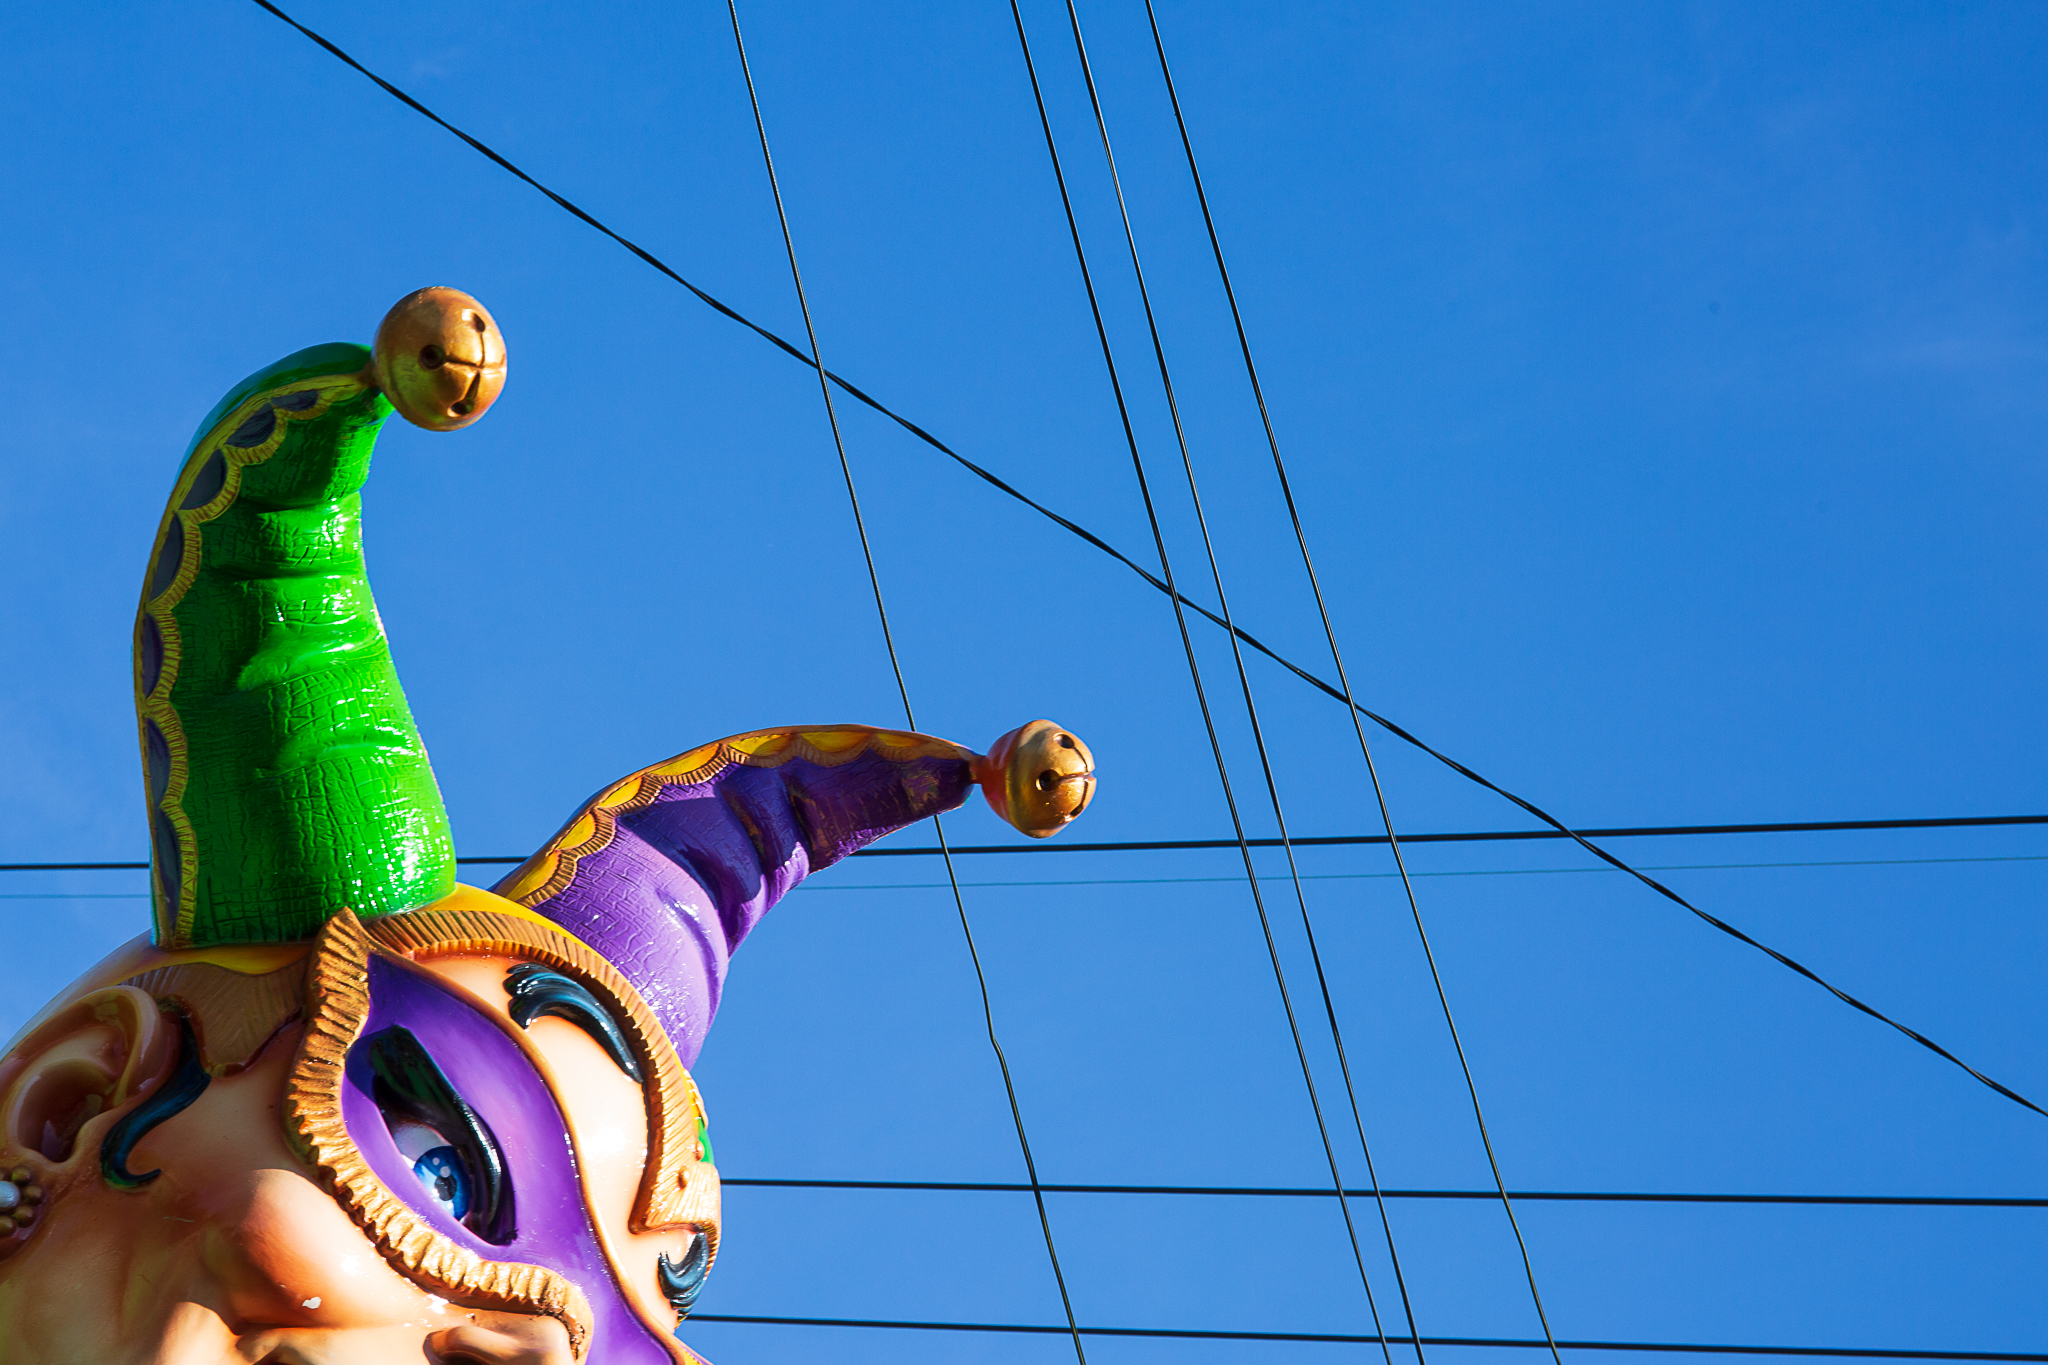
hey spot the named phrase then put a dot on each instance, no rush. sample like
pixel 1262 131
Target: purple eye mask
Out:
pixel 548 1224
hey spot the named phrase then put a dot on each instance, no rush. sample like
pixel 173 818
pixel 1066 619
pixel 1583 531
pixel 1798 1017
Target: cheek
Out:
pixel 271 1240
pixel 611 1137
pixel 607 1113
pixel 290 1256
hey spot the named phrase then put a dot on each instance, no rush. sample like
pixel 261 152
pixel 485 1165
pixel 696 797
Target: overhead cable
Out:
pixel 1308 565
pixel 1251 710
pixel 1685 1348
pixel 903 689
pixel 1937 1201
pixel 1186 639
pixel 1477 836
pixel 1160 584
pixel 811 888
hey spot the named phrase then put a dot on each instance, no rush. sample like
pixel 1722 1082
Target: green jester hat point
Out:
pixel 285 777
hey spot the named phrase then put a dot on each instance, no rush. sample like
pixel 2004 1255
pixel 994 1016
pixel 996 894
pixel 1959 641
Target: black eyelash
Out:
pixel 409 1084
pixel 680 1284
pixel 537 991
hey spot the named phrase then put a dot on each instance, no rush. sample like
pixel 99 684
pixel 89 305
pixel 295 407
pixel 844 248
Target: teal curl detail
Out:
pixel 536 991
pixel 186 1084
pixel 682 1281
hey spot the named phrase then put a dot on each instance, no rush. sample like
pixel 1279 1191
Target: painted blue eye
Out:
pixel 441 1172
pixel 451 1150
pixel 438 1166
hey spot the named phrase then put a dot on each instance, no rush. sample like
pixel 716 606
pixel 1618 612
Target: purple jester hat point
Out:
pixel 667 870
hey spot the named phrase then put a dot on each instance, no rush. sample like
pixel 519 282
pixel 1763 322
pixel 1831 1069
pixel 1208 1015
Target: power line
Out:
pixel 1251 710
pixel 1454 872
pixel 895 664
pixel 1338 840
pixel 1162 585
pixel 1180 614
pixel 1209 881
pixel 1475 836
pixel 811 887
pixel 1351 706
pixel 1686 1348
pixel 1320 1192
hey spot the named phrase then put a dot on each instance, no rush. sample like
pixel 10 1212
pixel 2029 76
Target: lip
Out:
pixel 486 1338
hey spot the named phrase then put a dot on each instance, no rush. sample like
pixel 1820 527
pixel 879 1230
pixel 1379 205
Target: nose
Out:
pixel 502 1339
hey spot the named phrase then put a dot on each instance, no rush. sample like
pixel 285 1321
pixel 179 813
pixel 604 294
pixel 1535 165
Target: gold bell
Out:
pixel 1038 777
pixel 440 358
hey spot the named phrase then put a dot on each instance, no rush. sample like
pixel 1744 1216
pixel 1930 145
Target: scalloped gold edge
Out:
pixel 156 704
pixel 337 1005
pixel 679 1187
pixel 550 871
pixel 233 1013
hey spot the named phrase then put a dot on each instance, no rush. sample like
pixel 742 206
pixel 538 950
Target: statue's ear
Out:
pixel 93 1055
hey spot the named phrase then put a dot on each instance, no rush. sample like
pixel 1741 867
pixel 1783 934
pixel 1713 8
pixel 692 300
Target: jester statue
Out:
pixel 338 1109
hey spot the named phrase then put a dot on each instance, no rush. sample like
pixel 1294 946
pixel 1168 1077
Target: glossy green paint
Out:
pixel 307 787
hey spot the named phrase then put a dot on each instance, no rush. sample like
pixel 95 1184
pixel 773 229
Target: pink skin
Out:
pixel 235 1255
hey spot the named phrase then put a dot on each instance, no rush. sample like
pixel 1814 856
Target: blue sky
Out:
pixel 1664 388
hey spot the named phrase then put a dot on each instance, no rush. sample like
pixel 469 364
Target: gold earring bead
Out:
pixel 20 1197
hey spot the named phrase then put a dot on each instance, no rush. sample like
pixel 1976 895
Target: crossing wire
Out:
pixel 1564 830
pixel 903 688
pixel 1251 370
pixel 1180 616
pixel 1251 709
pixel 1334 840
pixel 814 888
pixel 1317 1192
pixel 1679 1347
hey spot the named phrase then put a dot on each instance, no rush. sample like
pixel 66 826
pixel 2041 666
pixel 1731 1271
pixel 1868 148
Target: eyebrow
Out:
pixel 539 991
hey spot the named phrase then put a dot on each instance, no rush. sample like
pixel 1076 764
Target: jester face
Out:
pixel 457 1134
pixel 338 1109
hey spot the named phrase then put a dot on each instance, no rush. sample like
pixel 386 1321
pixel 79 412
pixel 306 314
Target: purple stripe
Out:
pixel 687 877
